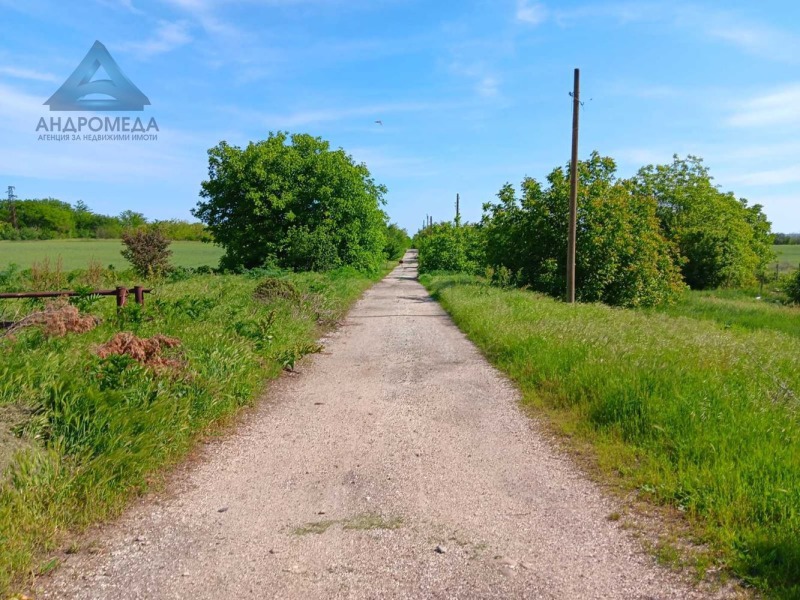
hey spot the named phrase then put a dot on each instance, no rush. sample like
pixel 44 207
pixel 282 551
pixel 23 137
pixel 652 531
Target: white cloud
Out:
pixel 488 86
pixel 730 26
pixel 777 107
pixel 755 38
pixel 532 13
pixel 122 4
pixel 769 177
pixel 28 74
pixel 168 37
pixel 486 81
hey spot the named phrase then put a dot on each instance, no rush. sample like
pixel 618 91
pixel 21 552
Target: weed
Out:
pixel 273 288
pixel 369 522
pixel 315 528
pixel 288 357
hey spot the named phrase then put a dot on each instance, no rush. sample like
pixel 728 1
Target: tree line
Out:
pixel 48 218
pixel 641 241
pixel 787 239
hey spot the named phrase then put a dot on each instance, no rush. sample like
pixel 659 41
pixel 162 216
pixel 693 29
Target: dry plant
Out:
pixel 146 351
pixel 57 319
pixel 45 278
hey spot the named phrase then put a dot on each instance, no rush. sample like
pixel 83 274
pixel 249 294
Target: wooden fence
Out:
pixel 121 293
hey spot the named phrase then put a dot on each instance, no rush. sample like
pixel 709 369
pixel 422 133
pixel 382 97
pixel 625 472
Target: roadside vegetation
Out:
pixel 686 412
pixel 96 427
pixel 96 402
pixel 643 241
pixel 678 374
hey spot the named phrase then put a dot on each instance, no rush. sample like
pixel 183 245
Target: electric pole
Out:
pixel 573 190
pixel 458 210
pixel 12 207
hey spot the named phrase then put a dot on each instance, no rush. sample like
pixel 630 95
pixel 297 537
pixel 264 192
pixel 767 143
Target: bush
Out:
pixel 292 203
pixel 723 242
pixel 791 287
pixel 397 242
pixel 448 247
pixel 622 259
pixel 148 251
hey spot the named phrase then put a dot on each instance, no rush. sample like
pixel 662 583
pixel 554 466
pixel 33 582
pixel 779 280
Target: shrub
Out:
pixel 148 251
pixel 791 287
pixel 449 247
pixel 722 240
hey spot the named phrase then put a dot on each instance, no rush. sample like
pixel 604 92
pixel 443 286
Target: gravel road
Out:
pixel 397 464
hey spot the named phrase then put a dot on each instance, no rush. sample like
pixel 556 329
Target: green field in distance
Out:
pixel 77 253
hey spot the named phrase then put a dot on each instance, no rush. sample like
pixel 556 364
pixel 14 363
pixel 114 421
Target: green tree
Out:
pixel 397 242
pixel 447 247
pixel 722 241
pixel 294 201
pixel 622 257
pixel 132 220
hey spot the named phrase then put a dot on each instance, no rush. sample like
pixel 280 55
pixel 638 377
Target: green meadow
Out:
pixel 78 253
pixel 788 257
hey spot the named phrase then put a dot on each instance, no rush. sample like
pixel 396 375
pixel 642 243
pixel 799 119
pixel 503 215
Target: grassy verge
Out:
pixel 737 309
pixel 689 414
pixel 99 430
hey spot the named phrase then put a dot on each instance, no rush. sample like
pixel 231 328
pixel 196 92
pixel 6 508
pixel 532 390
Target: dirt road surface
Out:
pixel 395 465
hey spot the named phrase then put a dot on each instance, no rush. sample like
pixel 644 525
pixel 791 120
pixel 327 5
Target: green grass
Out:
pixel 737 309
pixel 77 253
pixel 100 431
pixel 788 257
pixel 689 414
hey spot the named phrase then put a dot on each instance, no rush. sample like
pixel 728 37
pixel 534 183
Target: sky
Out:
pixel 471 93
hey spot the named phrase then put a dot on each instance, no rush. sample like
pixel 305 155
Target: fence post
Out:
pixel 138 292
pixel 122 296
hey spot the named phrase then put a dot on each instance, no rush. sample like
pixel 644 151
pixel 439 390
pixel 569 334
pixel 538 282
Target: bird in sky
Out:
pixel 379 122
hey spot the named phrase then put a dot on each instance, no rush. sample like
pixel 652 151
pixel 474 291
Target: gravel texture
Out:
pixel 397 464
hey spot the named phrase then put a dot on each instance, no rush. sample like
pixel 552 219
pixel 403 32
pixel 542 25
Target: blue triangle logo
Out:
pixel 124 95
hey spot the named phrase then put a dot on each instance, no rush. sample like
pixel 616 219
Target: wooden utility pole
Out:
pixel 573 190
pixel 458 210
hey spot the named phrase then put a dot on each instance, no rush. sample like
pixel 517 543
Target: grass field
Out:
pixel 788 257
pixel 99 430
pixel 684 412
pixel 77 253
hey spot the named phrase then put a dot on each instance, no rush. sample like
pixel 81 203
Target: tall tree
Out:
pixel 722 241
pixel 294 201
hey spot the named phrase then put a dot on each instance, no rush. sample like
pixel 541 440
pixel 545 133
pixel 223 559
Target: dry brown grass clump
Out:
pixel 146 351
pixel 57 319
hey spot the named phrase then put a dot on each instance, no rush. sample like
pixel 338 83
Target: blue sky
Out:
pixel 471 93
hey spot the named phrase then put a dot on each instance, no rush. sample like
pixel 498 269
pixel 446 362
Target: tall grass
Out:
pixel 101 429
pixel 690 414
pixel 738 309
